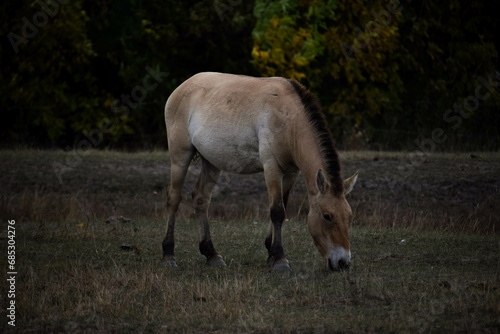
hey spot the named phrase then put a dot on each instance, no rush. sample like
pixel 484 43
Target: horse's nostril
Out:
pixel 330 264
pixel 343 264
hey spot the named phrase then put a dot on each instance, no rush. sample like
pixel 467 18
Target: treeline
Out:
pixel 394 74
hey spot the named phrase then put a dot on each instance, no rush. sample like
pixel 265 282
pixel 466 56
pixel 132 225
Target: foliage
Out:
pixel 386 71
pixel 382 69
pixel 80 69
pixel 47 86
pixel 442 59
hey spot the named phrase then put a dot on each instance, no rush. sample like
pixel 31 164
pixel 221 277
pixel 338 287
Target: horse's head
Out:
pixel 328 221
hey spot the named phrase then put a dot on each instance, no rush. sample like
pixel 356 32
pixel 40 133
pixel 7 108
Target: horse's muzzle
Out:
pixel 339 259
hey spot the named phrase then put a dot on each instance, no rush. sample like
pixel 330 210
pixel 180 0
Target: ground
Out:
pixel 424 244
pixel 448 192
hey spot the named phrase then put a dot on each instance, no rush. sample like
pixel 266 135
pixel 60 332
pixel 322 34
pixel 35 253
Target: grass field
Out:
pixel 425 250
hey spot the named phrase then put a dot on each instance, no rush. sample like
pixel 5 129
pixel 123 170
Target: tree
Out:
pixel 385 69
pixel 86 68
pixel 45 77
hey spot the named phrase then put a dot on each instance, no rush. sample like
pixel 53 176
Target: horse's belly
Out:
pixel 235 152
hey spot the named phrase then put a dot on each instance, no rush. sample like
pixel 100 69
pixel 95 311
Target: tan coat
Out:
pixel 242 125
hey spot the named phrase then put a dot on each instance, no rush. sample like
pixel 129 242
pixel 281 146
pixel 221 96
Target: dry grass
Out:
pixel 444 192
pixel 74 276
pixel 77 279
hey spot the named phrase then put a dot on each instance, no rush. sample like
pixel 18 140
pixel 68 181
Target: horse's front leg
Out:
pixel 202 195
pixel 274 246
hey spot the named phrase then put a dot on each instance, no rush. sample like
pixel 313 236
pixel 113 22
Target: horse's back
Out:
pixel 227 117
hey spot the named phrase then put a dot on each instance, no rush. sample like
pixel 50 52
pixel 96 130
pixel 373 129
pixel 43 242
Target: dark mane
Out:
pixel 324 139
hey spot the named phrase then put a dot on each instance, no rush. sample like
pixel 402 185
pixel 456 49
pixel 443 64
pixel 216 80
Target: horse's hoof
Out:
pixel 281 265
pixel 169 263
pixel 216 261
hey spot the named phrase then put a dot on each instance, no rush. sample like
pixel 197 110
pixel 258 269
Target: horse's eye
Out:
pixel 327 217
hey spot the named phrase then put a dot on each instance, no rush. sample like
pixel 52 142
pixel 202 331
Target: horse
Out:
pixel 245 125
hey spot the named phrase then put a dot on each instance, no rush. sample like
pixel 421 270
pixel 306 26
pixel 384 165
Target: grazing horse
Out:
pixel 245 125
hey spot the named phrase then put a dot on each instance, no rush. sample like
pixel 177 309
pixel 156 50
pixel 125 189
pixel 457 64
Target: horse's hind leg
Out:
pixel 202 195
pixel 180 161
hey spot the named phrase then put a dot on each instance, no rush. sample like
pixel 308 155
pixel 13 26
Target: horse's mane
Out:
pixel 312 108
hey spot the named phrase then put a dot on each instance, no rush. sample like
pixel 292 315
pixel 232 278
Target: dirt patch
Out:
pixel 446 192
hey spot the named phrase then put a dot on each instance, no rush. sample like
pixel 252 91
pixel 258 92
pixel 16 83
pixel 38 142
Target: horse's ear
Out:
pixel 349 183
pixel 321 183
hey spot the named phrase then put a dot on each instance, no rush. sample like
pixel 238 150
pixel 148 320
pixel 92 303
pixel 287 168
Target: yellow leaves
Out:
pixel 274 22
pixel 297 75
pixel 283 48
pixel 278 54
pixel 255 52
pixel 262 56
pixel 300 36
pixel 300 60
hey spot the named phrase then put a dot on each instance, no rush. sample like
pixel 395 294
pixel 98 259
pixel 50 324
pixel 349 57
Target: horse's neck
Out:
pixel 308 157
